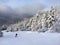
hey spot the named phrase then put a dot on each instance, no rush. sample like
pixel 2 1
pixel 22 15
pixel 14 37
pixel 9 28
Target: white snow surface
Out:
pixel 30 38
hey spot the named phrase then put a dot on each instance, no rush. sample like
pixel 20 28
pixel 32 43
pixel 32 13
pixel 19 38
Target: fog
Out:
pixel 9 15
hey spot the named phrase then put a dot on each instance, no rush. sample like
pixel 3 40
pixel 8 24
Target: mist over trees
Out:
pixel 10 16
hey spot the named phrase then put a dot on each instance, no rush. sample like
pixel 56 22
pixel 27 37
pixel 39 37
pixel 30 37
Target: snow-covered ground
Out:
pixel 30 38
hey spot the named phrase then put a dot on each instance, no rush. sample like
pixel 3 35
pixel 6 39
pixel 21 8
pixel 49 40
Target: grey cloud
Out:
pixel 8 15
pixel 30 8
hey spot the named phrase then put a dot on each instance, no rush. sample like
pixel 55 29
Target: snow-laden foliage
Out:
pixel 42 21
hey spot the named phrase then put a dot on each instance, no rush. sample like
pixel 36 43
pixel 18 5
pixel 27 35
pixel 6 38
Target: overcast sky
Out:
pixel 20 3
pixel 13 9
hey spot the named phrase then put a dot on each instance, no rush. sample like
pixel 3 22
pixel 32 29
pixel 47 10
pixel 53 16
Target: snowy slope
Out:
pixel 30 38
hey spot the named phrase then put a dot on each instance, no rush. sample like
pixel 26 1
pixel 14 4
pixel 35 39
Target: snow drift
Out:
pixel 30 38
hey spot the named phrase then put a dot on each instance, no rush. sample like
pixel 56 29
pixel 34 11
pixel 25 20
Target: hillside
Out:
pixel 41 22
